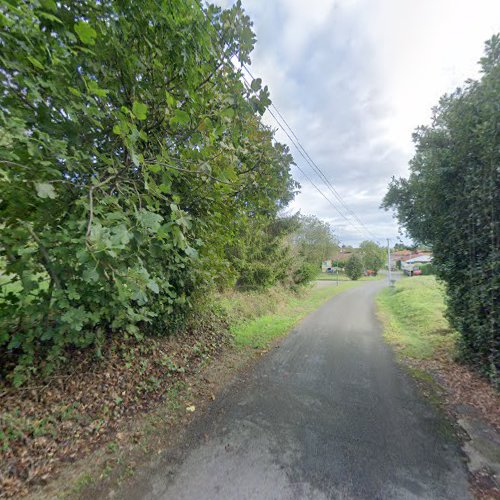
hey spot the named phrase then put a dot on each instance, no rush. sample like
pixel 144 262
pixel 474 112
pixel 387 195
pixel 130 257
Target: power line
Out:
pixel 302 151
pixel 309 179
pixel 313 164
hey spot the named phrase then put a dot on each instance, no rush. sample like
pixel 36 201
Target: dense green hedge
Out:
pixel 132 158
pixel 452 202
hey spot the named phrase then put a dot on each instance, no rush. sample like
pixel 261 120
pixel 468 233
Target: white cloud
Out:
pixel 355 77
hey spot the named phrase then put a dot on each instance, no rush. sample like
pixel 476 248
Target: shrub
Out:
pixel 427 269
pixel 354 267
pixel 305 273
pixel 131 156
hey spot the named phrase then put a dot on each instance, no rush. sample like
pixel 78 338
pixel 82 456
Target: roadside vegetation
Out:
pixel 142 199
pixel 98 409
pixel 275 320
pixel 342 276
pixel 367 260
pixel 354 267
pixel 372 256
pixel 451 202
pixel 137 177
pixel 414 318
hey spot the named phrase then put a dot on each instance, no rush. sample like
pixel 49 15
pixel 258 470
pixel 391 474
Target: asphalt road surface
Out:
pixel 328 414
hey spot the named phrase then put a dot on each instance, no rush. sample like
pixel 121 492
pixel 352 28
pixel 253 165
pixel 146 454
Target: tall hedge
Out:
pixel 452 201
pixel 131 155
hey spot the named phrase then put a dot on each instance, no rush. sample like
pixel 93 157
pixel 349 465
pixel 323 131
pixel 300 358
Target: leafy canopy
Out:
pixel 372 255
pixel 314 240
pixel 132 157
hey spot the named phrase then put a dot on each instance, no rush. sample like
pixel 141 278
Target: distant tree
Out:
pixel 401 246
pixel 372 255
pixel 314 240
pixel 354 267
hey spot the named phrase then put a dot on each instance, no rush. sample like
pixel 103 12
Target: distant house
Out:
pixel 411 265
pixel 326 265
pixel 339 259
pixel 421 259
pixel 402 256
pixel 344 254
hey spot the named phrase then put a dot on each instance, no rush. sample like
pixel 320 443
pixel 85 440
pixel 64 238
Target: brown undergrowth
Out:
pixel 83 429
pixel 59 420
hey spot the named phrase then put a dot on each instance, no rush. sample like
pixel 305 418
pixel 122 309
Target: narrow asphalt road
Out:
pixel 328 414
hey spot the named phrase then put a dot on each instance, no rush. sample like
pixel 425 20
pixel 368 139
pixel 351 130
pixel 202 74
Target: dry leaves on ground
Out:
pixel 61 420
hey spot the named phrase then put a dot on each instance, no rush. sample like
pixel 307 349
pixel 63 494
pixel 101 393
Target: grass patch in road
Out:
pixel 258 332
pixel 413 317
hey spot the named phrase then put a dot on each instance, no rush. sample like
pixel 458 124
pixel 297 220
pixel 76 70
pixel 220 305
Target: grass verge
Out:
pixel 413 316
pixel 415 324
pixel 278 313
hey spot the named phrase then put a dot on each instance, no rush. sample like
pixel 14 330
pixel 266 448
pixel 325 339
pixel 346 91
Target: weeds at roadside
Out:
pixel 147 383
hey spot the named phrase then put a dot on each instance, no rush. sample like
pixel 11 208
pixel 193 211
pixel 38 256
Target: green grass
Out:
pixel 413 317
pixel 258 332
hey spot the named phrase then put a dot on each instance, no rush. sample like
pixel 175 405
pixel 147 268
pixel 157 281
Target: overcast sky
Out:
pixel 354 78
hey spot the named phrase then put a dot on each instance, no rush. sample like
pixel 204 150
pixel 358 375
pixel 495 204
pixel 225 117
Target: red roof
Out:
pixel 405 255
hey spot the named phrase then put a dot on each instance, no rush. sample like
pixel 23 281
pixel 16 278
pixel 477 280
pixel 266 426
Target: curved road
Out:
pixel 328 414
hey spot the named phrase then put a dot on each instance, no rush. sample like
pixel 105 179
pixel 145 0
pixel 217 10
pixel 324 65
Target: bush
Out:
pixel 372 255
pixel 427 269
pixel 354 267
pixel 305 273
pixel 125 136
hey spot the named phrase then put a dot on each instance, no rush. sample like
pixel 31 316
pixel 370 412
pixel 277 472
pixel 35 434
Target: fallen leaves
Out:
pixel 63 419
pixel 463 387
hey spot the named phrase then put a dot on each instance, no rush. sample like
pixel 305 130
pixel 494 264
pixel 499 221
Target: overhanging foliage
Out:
pixel 132 156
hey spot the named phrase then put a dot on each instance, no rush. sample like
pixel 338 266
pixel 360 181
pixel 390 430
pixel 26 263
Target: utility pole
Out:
pixel 389 262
